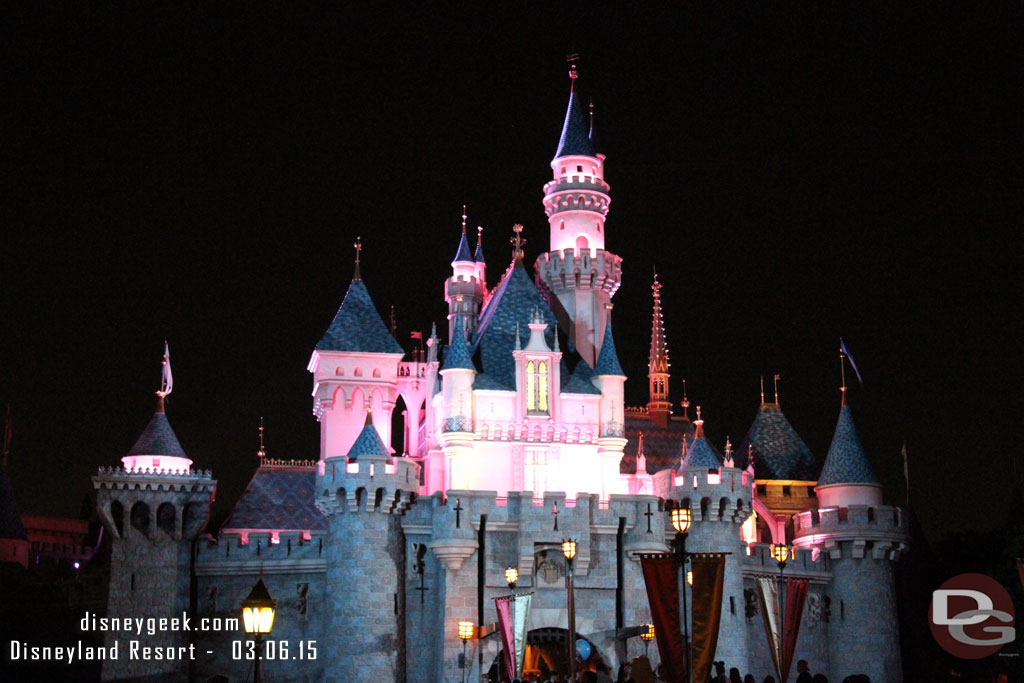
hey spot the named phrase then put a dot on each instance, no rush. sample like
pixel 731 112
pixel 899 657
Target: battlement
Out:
pixel 265 550
pixel 805 564
pixel 386 485
pixel 154 480
pixel 718 495
pixel 565 269
pixel 577 181
pixel 880 530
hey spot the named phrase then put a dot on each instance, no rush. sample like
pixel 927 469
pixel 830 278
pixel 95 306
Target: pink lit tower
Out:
pixel 578 276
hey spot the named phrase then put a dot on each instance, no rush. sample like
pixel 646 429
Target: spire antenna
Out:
pixel 356 277
pixel 394 327
pixel 262 452
pixel 777 377
pixel 463 219
pixel 572 58
pixel 762 390
pixel 842 372
pixel 517 242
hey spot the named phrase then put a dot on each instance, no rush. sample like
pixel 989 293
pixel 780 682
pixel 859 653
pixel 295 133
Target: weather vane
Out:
pixel 359 247
pixel 572 58
pixel 517 242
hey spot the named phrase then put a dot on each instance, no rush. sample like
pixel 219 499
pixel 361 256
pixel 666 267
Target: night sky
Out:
pixel 201 177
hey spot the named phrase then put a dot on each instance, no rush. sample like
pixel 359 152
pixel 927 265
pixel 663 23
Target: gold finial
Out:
pixel 262 452
pixel 517 242
pixel 777 377
pixel 572 58
pixel 359 247
pixel 842 372
pixel 479 234
pixel 463 219
pixel 762 390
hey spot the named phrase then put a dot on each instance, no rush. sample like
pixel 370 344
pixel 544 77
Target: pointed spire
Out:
pixel 777 377
pixel 356 276
pixel 608 359
pixel 846 462
pixel 575 140
pixel 685 403
pixel 519 345
pixel 517 242
pixel 262 452
pixel 368 444
pixel 699 423
pixel 658 405
pixel 594 140
pixel 463 254
pixel 457 357
pixel 478 255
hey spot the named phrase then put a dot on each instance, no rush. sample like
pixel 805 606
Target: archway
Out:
pixel 546 653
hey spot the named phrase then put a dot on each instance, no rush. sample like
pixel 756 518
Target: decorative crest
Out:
pixel 517 242
pixel 356 277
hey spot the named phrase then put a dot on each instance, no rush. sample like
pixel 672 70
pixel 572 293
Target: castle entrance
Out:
pixel 547 652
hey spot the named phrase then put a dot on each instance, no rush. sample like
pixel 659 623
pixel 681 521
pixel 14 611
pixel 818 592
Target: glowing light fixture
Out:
pixel 569 549
pixel 681 518
pixel 689 576
pixel 258 610
pixel 511 575
pixel 466 629
pixel 648 635
pixel 780 552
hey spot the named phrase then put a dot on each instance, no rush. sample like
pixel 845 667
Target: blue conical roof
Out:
pixel 457 356
pixel 368 444
pixel 701 454
pixel 779 452
pixel 575 138
pixel 158 438
pixel 608 359
pixel 357 326
pixel 463 254
pixel 478 255
pixel 846 462
pixel 580 382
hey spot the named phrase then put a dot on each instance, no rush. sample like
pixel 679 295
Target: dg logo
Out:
pixel 971 616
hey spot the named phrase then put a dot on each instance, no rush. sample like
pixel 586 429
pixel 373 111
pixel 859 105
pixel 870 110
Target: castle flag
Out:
pixel 166 378
pixel 846 352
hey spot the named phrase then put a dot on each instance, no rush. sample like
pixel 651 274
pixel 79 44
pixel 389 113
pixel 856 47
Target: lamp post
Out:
pixel 466 629
pixel 258 617
pixel 569 550
pixel 647 636
pixel 781 553
pixel 681 518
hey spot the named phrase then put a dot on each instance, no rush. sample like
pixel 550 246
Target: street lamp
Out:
pixel 781 553
pixel 569 550
pixel 647 636
pixel 466 630
pixel 258 617
pixel 681 519
pixel 511 575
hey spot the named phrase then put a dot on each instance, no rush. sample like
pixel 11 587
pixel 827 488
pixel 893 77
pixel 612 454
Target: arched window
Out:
pixel 537 386
pixel 581 243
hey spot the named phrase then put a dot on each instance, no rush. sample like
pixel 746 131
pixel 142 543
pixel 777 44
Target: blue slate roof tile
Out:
pixel 368 445
pixel 513 300
pixel 457 356
pixel 779 452
pixel 663 446
pixel 580 382
pixel 278 499
pixel 357 326
pixel 575 136
pixel 463 253
pixel 485 381
pixel 608 359
pixel 846 462
pixel 158 439
pixel 478 255
pixel 701 454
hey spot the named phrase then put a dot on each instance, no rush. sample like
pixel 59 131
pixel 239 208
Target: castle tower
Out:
pixel 153 508
pixel 464 290
pixel 659 407
pixel 863 538
pixel 363 493
pixel 719 505
pixel 578 276
pixel 457 375
pixel 355 368
pixel 610 378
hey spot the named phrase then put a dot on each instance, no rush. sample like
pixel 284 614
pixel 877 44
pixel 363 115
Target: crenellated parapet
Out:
pixel 271 552
pixel 576 192
pixel 558 272
pixel 387 486
pixel 711 495
pixel 144 501
pixel 857 531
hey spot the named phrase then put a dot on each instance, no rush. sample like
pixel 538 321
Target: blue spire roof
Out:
pixel 457 356
pixel 478 255
pixel 608 359
pixel 846 462
pixel 701 454
pixel 158 438
pixel 580 382
pixel 575 138
pixel 463 254
pixel 513 300
pixel 368 444
pixel 357 326
pixel 779 452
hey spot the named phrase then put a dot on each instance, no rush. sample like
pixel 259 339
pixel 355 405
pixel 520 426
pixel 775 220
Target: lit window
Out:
pixel 537 386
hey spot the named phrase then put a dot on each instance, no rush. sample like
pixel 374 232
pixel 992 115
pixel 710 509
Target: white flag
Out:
pixel 167 379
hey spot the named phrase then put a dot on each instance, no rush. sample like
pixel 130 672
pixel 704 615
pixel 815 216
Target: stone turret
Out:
pixel 153 514
pixel 862 538
pixel 464 291
pixel 659 407
pixel 578 276
pixel 363 493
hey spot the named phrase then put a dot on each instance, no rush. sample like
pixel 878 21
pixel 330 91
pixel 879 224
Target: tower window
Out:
pixel 579 169
pixel 537 387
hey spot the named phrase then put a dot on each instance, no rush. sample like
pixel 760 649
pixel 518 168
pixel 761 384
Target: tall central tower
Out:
pixel 578 276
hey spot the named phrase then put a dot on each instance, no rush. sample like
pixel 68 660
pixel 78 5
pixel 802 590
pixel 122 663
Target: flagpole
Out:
pixel 842 371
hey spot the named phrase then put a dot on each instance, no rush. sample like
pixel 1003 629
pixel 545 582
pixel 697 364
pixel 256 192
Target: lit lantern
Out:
pixel 681 518
pixel 569 549
pixel 648 635
pixel 780 552
pixel 511 575
pixel 689 576
pixel 258 610
pixel 466 629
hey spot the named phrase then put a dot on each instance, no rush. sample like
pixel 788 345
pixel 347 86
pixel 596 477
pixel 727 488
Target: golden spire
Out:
pixel 356 277
pixel 463 219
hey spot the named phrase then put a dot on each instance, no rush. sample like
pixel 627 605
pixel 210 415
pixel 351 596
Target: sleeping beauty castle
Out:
pixel 515 438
